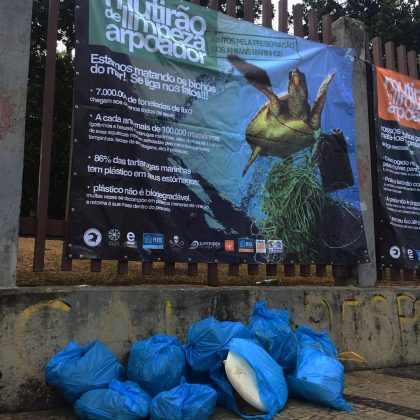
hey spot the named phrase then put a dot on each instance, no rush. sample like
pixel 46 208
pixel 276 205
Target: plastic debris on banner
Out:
pixel 271 327
pixel 157 364
pixel 318 377
pixel 207 340
pixel 122 401
pixel 268 382
pixel 184 402
pixel 76 369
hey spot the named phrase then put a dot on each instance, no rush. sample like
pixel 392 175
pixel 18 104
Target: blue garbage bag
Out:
pixel 184 402
pixel 76 369
pixel 122 401
pixel 271 327
pixel 207 340
pixel 157 364
pixel 271 382
pixel 318 376
pixel 317 340
pixel 194 377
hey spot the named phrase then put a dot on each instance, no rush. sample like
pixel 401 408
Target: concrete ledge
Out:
pixel 381 324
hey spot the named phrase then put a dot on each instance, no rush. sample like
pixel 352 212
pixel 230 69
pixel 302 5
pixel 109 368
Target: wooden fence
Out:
pixel 42 227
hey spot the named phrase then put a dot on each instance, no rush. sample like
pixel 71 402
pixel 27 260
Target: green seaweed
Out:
pixel 293 202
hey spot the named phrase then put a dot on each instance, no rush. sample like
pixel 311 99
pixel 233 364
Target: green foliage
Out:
pixel 392 20
pixel 239 7
pixel 62 109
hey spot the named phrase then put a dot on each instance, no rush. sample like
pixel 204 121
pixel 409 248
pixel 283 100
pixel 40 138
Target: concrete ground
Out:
pixel 392 393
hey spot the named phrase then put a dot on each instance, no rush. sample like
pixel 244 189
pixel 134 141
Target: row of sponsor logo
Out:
pixel 93 238
pixel 412 254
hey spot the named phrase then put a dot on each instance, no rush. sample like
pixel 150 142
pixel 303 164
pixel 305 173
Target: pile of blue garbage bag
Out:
pixel 165 379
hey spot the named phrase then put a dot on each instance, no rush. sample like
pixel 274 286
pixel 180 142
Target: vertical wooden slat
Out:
pixel 231 8
pixel 213 274
pixel 327 29
pixel 339 271
pixel 402 59
pixel 249 10
pixel 321 270
pixel 282 12
pixel 169 269
pixel 412 65
pixel 122 267
pixel 313 25
pixel 214 4
pixel 195 1
pixel 395 275
pixel 305 270
pixel 298 19
pixel 341 275
pixel 147 268
pixel 408 274
pixel 233 269
pixel 253 269
pixel 267 14
pixel 192 269
pixel 367 47
pixel 377 51
pixel 390 56
pixel 46 138
pixel 95 266
pixel 289 270
pixel 271 269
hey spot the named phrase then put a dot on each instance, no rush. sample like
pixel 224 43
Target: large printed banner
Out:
pixel 203 138
pixel 398 152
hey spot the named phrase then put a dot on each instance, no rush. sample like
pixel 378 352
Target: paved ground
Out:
pixel 380 394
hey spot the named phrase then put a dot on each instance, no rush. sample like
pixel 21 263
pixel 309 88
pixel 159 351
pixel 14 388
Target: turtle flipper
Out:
pixel 258 78
pixel 255 151
pixel 319 103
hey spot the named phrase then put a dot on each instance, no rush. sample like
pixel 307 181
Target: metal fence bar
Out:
pixel 46 138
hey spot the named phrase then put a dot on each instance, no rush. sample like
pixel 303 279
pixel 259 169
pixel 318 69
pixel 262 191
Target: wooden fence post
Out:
pixel 349 33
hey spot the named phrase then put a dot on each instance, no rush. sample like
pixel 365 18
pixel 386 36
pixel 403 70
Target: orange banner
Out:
pixel 398 98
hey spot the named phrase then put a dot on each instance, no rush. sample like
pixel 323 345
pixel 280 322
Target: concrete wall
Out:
pixel 383 325
pixel 350 33
pixel 15 30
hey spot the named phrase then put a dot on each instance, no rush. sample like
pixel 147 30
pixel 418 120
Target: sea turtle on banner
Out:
pixel 286 124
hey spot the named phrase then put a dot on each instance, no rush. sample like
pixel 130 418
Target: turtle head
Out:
pixel 297 94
